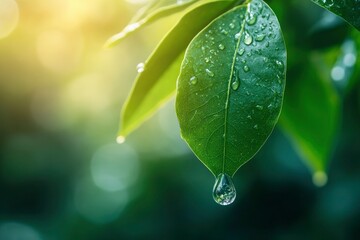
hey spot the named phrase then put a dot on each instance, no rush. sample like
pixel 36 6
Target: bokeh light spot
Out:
pixel 115 167
pixel 9 17
pixel 18 231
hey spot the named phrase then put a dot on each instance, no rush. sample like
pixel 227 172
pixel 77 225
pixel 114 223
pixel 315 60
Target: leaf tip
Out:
pixel 319 178
pixel 120 139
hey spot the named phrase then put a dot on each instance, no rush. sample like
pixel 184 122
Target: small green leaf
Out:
pixel 231 86
pixel 348 10
pixel 157 82
pixel 153 11
pixel 310 113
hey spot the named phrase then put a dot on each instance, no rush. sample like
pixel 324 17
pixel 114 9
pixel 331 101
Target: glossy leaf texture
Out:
pixel 231 86
pixel 154 11
pixel 310 113
pixel 157 82
pixel 347 9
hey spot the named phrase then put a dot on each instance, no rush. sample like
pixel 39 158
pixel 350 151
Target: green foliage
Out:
pixel 231 82
pixel 349 10
pixel 231 86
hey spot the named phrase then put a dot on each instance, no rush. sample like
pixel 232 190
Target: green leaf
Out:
pixel 157 83
pixel 231 86
pixel 347 9
pixel 310 112
pixel 155 10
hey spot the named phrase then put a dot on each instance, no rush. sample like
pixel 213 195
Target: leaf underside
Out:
pixel 231 86
pixel 347 9
pixel 157 83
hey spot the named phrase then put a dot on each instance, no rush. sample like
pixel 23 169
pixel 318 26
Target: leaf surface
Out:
pixel 231 86
pixel 347 9
pixel 157 83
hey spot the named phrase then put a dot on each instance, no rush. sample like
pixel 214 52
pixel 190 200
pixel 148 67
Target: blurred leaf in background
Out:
pixel 63 177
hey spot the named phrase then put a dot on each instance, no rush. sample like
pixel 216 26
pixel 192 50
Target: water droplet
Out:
pixel 266 59
pixel 248 38
pixel 320 178
pixel 235 85
pixel 260 37
pixel 256 126
pixel 246 68
pixel 221 46
pixel 267 44
pixel 237 36
pixel 249 117
pixel 263 26
pixel 207 60
pixel 210 73
pixel 140 67
pixel 248 54
pixel 241 51
pixel 243 61
pixel 120 139
pixel 224 32
pixel 251 19
pixel 259 107
pixel 270 105
pixel 279 64
pixel 224 192
pixel 232 25
pixel 193 80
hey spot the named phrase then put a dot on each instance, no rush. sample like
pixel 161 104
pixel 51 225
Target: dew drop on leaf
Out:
pixel 246 68
pixel 221 46
pixel 259 107
pixel 251 19
pixel 120 139
pixel 235 85
pixel 248 38
pixel 140 67
pixel 224 192
pixel 241 51
pixel 210 73
pixel 260 37
pixel 193 80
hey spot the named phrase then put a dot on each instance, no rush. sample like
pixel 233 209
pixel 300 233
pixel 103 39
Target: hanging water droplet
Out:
pixel 246 68
pixel 232 25
pixel 140 67
pixel 248 38
pixel 260 37
pixel 259 107
pixel 251 19
pixel 221 46
pixel 210 73
pixel 241 51
pixel 193 80
pixel 224 192
pixel 235 85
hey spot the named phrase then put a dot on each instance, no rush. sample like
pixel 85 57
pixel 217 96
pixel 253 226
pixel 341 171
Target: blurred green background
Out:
pixel 62 176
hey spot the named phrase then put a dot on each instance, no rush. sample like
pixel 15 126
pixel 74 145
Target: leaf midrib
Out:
pixel 229 85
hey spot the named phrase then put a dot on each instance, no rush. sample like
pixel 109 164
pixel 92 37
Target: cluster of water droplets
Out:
pixel 224 192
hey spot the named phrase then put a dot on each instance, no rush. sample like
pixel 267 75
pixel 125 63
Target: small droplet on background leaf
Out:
pixel 224 192
pixel 193 80
pixel 320 178
pixel 140 67
pixel 120 139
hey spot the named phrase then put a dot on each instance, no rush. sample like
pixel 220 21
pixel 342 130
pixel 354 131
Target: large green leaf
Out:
pixel 157 83
pixel 347 9
pixel 231 86
pixel 310 114
pixel 153 11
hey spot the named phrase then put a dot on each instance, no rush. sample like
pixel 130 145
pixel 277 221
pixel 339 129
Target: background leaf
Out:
pixel 349 10
pixel 157 83
pixel 154 11
pixel 310 114
pixel 231 86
